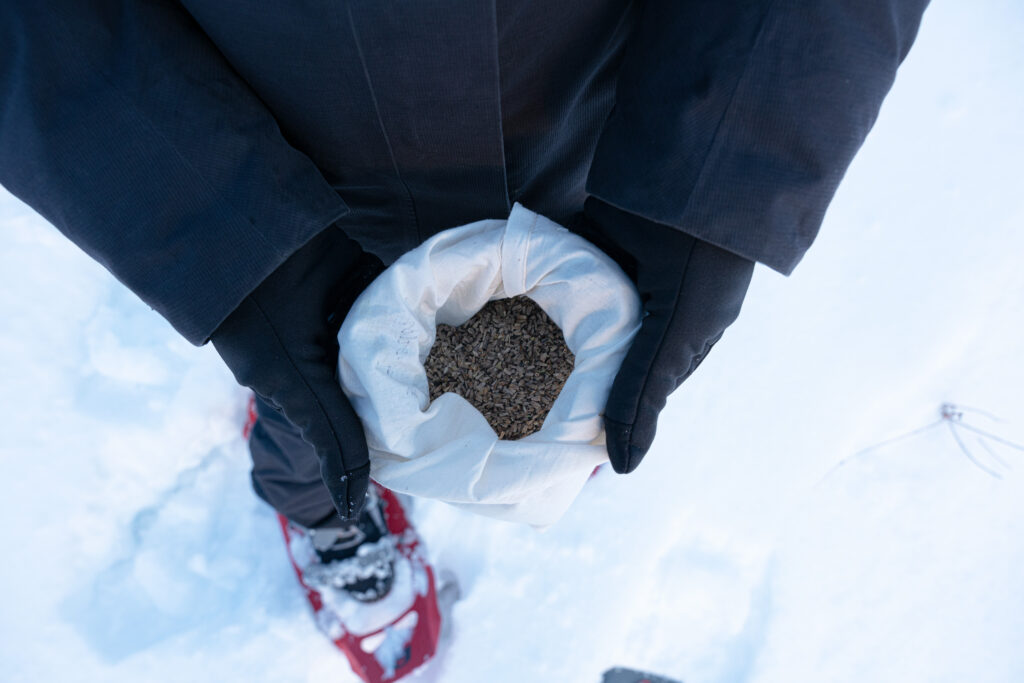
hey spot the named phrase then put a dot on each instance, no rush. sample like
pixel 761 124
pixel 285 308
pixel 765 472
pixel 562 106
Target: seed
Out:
pixel 509 361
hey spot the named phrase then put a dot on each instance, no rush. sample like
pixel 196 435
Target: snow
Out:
pixel 767 537
pixel 391 649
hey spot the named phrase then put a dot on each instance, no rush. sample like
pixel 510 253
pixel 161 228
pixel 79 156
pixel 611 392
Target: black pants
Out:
pixel 285 470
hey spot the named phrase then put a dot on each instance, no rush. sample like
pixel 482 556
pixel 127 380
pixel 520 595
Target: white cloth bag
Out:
pixel 446 449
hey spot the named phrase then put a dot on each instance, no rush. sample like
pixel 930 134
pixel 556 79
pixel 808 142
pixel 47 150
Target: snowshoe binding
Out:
pixel 371 588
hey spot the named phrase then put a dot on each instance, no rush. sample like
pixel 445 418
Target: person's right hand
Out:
pixel 282 343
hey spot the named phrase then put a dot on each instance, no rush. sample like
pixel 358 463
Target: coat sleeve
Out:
pixel 735 120
pixel 123 125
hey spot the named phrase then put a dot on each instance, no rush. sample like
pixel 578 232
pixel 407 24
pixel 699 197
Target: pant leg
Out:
pixel 285 470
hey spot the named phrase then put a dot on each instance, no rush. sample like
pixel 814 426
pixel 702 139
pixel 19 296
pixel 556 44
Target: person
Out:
pixel 247 169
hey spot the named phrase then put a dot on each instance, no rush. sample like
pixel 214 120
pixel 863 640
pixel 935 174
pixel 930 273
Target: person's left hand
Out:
pixel 691 291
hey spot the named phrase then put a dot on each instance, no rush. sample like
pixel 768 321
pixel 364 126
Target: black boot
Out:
pixel 357 558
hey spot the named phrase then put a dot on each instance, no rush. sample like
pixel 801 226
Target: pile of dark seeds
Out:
pixel 509 361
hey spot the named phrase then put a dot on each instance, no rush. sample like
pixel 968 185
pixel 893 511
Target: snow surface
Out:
pixel 764 539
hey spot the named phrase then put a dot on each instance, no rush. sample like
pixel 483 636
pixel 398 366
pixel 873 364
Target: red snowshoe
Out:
pixel 389 637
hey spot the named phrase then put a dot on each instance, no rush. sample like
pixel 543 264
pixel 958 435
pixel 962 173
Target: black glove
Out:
pixel 691 291
pixel 282 342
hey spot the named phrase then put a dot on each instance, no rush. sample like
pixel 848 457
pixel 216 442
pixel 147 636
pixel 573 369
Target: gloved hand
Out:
pixel 282 342
pixel 691 291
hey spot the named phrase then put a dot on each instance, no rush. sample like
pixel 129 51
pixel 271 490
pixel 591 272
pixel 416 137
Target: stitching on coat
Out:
pixel 501 122
pixel 383 129
pixel 713 147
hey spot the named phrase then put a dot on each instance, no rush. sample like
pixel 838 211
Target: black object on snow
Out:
pixel 622 675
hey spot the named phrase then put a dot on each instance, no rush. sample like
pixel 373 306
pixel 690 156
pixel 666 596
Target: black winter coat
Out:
pixel 192 146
